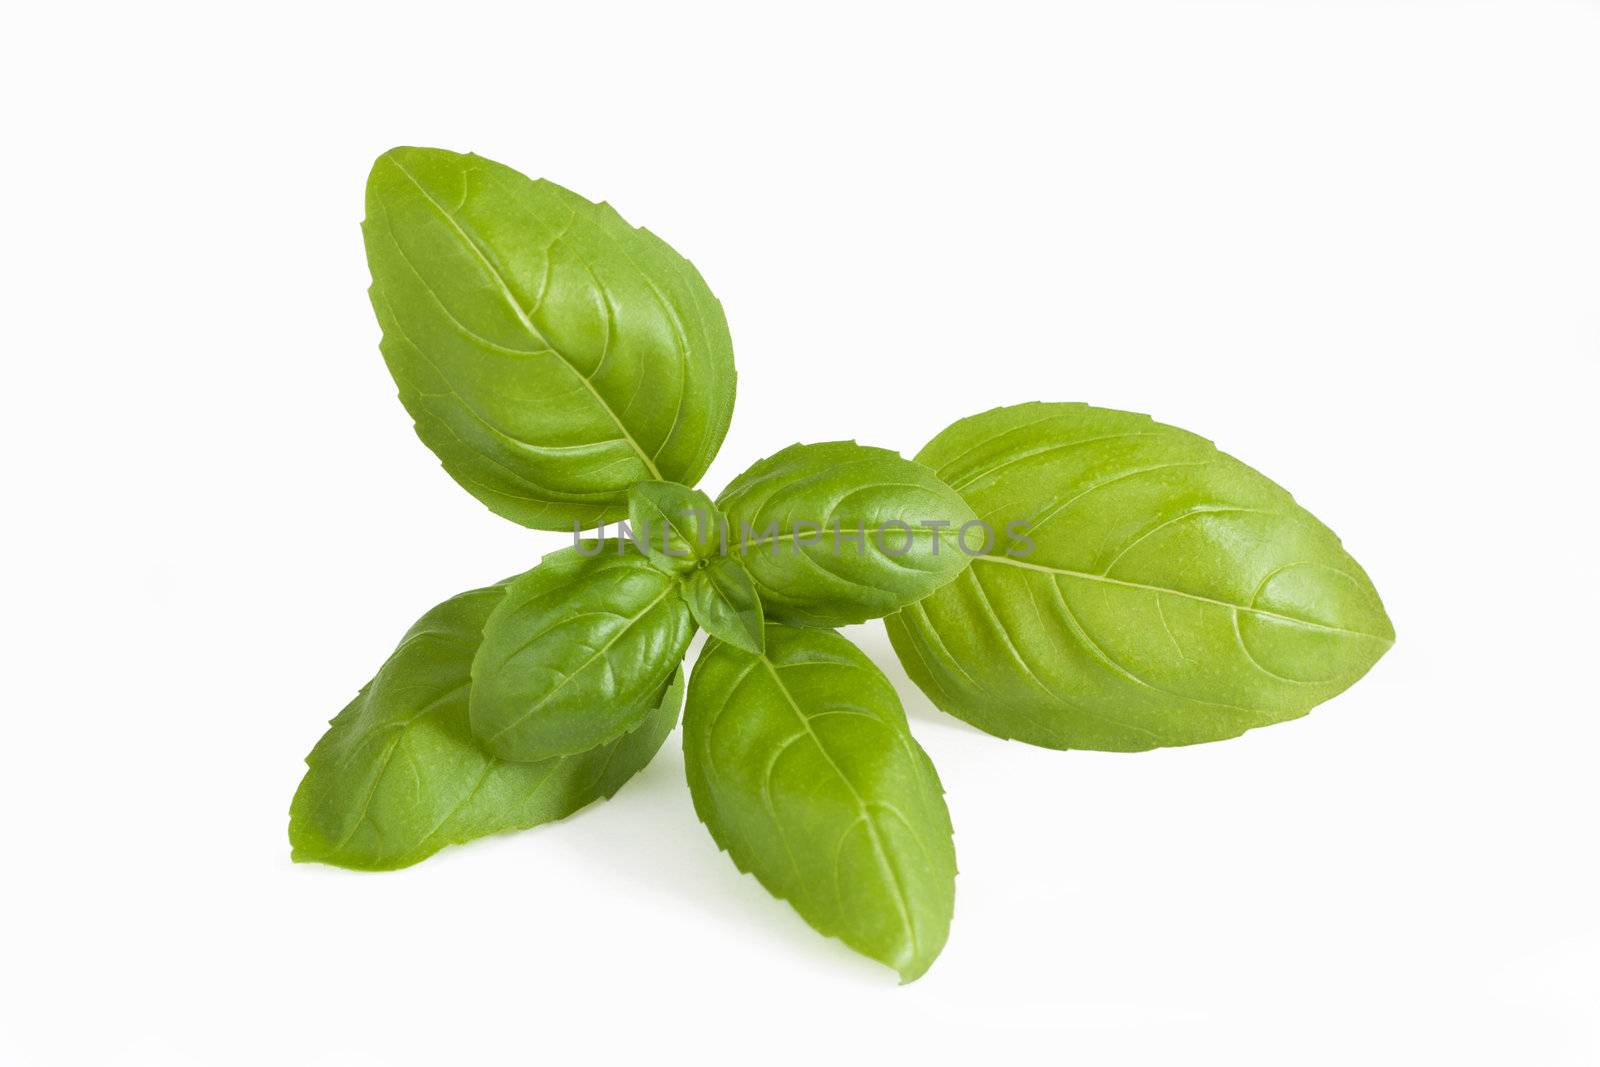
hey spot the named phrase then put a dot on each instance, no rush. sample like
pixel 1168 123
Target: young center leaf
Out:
pixel 677 528
pixel 684 535
pixel 723 600
pixel 1161 592
pixel 550 354
pixel 398 775
pixel 839 533
pixel 801 765
pixel 576 653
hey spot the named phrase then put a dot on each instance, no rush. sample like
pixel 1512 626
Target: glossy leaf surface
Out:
pixel 550 354
pixel 398 775
pixel 1163 594
pixel 839 533
pixel 802 767
pixel 576 653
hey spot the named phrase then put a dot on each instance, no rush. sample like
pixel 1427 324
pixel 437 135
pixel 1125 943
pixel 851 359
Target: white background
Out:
pixel 1356 243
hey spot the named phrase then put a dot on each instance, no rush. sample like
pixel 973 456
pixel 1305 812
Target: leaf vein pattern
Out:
pixel 533 331
pixel 1104 655
pixel 599 652
pixel 1033 452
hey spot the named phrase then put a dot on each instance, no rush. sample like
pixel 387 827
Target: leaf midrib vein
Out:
pixel 1107 580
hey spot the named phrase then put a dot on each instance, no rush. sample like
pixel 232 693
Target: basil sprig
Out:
pixel 1068 576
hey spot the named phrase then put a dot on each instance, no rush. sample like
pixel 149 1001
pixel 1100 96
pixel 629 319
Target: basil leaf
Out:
pixel 802 767
pixel 398 776
pixel 839 533
pixel 550 354
pixel 576 653
pixel 679 526
pixel 1163 593
pixel 723 600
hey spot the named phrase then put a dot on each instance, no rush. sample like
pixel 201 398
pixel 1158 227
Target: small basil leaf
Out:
pixel 1160 593
pixel 576 653
pixel 802 767
pixel 723 600
pixel 550 354
pixel 839 533
pixel 678 526
pixel 398 776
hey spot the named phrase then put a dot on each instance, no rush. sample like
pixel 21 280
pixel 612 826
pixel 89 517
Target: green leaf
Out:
pixel 550 354
pixel 802 767
pixel 576 653
pixel 839 533
pixel 1162 593
pixel 677 528
pixel 398 776
pixel 723 600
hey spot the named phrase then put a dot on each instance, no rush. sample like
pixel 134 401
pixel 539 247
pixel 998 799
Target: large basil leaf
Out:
pixel 839 533
pixel 398 776
pixel 1163 593
pixel 576 653
pixel 550 353
pixel 802 767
